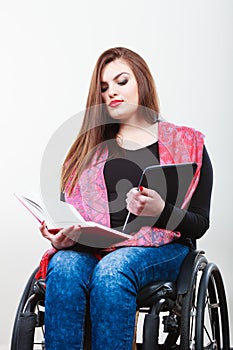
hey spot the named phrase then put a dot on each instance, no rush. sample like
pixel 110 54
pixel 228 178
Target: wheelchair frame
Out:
pixel 192 311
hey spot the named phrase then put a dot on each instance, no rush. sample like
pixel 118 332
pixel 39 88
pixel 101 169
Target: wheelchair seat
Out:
pixel 193 310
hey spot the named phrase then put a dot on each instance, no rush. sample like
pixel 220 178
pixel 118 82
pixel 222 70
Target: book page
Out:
pixel 64 214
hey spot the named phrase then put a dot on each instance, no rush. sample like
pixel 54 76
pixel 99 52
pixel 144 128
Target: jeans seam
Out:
pixel 163 262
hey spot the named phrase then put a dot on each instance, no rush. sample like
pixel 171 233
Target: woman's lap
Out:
pixel 111 284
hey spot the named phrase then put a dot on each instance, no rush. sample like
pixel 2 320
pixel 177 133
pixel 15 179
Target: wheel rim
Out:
pixel 212 326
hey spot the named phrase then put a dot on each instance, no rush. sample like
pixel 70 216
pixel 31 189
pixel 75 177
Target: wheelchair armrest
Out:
pixel 183 280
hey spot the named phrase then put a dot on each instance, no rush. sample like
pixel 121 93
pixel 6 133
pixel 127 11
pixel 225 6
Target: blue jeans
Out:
pixel 110 285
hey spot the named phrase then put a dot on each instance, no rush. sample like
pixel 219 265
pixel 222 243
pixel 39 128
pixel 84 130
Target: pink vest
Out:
pixel 177 144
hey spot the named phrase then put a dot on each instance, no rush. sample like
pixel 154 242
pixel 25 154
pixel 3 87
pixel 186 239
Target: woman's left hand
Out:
pixel 144 202
pixel 65 238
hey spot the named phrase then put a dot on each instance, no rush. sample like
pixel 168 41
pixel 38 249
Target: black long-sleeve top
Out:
pixel 122 173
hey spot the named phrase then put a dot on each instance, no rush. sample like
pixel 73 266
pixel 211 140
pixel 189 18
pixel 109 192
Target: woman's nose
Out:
pixel 112 91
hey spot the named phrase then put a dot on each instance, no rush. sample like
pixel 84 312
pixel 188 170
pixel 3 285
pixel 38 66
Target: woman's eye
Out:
pixel 123 82
pixel 104 88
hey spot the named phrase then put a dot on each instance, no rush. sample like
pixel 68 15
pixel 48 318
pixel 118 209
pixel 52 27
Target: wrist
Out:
pixel 162 206
pixel 55 247
pixel 64 248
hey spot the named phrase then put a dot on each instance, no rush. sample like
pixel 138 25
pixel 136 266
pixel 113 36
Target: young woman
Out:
pixel 121 135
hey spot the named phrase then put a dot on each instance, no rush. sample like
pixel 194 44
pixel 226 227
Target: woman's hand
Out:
pixel 65 238
pixel 144 202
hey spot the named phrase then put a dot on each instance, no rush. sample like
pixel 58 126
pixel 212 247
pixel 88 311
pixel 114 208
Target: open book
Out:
pixel 171 181
pixel 91 233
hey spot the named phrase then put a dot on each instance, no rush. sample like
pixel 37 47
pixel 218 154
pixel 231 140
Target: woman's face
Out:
pixel 119 90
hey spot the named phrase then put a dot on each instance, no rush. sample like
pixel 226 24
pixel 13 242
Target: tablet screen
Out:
pixel 171 181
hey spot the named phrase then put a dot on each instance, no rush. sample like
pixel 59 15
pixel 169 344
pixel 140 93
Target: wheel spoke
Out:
pixel 208 335
pixel 192 323
pixel 211 307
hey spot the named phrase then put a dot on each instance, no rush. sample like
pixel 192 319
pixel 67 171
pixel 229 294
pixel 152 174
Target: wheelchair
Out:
pixel 190 313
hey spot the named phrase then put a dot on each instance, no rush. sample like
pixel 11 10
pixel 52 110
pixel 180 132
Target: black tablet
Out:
pixel 171 181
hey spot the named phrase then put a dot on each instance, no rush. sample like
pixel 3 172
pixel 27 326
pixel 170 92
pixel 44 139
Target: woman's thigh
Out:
pixel 144 265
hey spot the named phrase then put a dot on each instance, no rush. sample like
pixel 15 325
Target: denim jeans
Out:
pixel 110 286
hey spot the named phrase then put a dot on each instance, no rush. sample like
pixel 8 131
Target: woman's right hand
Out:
pixel 62 239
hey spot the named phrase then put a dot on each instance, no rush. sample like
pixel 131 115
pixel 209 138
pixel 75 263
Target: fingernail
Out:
pixel 140 188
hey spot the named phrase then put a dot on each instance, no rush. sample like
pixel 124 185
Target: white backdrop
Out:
pixel 48 51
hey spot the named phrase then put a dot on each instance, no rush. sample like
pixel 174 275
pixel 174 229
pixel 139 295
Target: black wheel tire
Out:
pixel 28 290
pixel 212 323
pixel 189 301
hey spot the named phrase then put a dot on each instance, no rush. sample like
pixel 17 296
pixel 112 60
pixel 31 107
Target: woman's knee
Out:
pixel 114 272
pixel 68 265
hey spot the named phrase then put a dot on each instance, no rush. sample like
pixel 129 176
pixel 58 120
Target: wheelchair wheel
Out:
pixel 28 328
pixel 189 305
pixel 204 318
pixel 212 324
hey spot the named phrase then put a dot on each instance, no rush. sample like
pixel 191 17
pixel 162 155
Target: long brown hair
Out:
pixel 97 125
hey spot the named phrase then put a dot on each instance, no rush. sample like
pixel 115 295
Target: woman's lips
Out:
pixel 115 103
